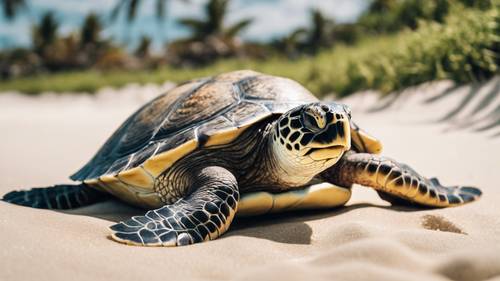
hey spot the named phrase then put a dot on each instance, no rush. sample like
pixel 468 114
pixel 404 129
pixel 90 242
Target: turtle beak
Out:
pixel 326 153
pixel 332 141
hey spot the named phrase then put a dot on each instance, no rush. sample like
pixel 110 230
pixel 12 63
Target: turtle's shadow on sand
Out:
pixel 290 227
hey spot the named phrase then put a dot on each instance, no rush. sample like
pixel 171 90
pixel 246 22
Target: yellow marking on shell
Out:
pixel 150 199
pixel 136 185
pixel 134 195
pixel 225 136
pixel 91 182
pixel 137 177
pixel 320 196
pixel 116 188
pixel 97 184
pixel 159 163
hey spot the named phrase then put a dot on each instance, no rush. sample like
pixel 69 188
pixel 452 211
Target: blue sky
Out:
pixel 271 18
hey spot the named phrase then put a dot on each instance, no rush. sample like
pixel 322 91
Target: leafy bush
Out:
pixel 463 49
pixel 388 16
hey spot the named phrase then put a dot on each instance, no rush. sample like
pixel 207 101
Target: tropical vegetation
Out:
pixel 210 37
pixel 394 44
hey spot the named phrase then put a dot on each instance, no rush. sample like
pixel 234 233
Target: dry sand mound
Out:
pixel 46 138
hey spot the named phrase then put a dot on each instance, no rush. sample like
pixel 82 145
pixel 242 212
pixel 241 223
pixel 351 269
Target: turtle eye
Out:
pixel 310 122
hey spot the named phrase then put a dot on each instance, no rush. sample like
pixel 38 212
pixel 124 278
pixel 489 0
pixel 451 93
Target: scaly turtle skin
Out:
pixel 240 142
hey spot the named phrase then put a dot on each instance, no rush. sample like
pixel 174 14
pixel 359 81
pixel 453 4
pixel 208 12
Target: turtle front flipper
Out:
pixel 58 197
pixel 203 215
pixel 363 142
pixel 397 182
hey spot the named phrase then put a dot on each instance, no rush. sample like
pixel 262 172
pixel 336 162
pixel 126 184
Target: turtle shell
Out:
pixel 200 113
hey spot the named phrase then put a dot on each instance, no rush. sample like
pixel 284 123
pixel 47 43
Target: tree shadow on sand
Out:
pixel 478 110
pixel 386 102
pixel 289 227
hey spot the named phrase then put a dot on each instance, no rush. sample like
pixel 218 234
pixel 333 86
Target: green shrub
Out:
pixel 463 49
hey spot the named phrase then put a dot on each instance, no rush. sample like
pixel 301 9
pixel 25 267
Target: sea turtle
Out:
pixel 240 142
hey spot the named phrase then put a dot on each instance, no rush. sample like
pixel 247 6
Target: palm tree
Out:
pixel 213 24
pixel 321 31
pixel 91 30
pixel 91 46
pixel 12 7
pixel 45 33
pixel 142 50
pixel 210 38
pixel 291 44
pixel 132 6
pixel 318 35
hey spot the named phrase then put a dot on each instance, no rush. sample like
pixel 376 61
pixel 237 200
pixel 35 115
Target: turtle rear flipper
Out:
pixel 59 197
pixel 203 215
pixel 396 182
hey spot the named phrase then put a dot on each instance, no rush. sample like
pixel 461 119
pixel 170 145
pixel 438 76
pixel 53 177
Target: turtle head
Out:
pixel 311 138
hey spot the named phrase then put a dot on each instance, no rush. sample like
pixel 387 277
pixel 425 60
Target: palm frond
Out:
pixel 91 29
pixel 196 26
pixel 236 28
pixel 130 7
pixel 143 47
pixel 116 9
pixel 297 33
pixel 12 7
pixel 160 9
pixel 216 12
pixel 132 10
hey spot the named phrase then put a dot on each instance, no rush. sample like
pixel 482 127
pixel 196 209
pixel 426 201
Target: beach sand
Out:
pixel 46 138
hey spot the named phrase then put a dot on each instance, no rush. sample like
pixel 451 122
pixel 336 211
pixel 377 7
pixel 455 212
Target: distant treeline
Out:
pixel 436 42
